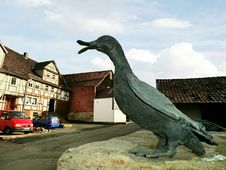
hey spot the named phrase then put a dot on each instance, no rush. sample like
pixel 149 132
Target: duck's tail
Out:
pixel 203 135
pixel 210 126
pixel 195 137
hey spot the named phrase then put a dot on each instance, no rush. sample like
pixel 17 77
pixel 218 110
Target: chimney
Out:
pixel 25 55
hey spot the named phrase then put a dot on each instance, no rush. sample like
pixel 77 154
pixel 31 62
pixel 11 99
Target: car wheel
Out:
pixel 7 131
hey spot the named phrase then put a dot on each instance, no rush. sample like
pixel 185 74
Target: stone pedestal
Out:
pixel 115 154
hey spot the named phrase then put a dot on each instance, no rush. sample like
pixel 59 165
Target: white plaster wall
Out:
pixel 7 88
pixel 119 117
pixel 2 83
pixel 104 111
pixel 48 76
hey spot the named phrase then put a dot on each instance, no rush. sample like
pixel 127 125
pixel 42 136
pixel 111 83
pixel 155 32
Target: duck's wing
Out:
pixel 156 99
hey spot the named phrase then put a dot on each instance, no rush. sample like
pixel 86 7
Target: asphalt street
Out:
pixel 42 153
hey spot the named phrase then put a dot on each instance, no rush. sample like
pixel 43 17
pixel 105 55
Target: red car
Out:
pixel 15 121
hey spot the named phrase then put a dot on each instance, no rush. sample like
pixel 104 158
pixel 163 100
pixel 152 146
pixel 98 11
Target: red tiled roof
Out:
pixel 194 90
pixel 17 65
pixel 86 79
pixel 42 65
pixel 23 67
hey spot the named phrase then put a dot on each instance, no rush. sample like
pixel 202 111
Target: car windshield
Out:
pixel 18 115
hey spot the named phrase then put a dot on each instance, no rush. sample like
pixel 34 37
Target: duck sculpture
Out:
pixel 148 107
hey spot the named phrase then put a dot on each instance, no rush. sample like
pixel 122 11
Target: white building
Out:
pixel 106 110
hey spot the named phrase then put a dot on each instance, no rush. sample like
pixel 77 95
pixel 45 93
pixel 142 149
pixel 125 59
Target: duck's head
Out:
pixel 107 45
pixel 104 44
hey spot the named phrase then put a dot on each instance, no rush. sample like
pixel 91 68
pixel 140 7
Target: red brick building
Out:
pixel 92 98
pixel 85 87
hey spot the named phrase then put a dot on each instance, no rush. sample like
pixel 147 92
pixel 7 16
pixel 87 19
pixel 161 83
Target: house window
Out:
pixel 52 90
pixel 47 88
pixel 35 114
pixel 13 81
pixel 37 86
pixel 28 100
pixel 30 84
pixel 31 101
pixel 34 101
pixel 53 76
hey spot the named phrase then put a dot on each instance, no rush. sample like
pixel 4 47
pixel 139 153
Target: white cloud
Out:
pixel 141 55
pixel 181 60
pixel 171 23
pixel 75 22
pixel 102 63
pixel 32 3
pixel 54 17
pixel 101 25
pixel 222 68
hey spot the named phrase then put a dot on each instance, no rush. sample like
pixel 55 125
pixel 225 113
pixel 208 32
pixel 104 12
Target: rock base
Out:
pixel 115 154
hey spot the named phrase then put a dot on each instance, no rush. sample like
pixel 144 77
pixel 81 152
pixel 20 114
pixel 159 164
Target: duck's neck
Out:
pixel 119 60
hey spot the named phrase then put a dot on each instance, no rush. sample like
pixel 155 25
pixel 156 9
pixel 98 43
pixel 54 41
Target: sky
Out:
pixel 162 39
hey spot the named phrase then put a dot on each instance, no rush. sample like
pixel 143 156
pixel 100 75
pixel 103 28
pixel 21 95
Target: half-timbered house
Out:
pixel 31 86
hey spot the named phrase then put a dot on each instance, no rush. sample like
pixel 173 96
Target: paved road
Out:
pixel 43 154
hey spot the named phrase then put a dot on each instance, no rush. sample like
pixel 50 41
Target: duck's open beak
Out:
pixel 89 45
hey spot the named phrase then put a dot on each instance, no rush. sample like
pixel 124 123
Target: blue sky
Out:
pixel 161 38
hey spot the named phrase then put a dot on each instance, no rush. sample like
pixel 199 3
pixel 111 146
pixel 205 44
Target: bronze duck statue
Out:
pixel 148 107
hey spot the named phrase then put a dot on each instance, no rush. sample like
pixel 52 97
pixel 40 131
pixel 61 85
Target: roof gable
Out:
pixel 194 90
pixel 3 47
pixel 48 65
pixel 88 78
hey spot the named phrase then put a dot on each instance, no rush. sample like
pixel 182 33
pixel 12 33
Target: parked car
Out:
pixel 48 122
pixel 15 121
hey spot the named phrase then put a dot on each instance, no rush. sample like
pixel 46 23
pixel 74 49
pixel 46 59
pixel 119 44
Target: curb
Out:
pixel 67 125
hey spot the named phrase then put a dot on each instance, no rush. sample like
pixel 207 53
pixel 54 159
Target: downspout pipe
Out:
pixel 25 92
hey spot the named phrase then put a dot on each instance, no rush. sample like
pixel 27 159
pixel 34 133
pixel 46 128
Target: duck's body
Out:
pixel 170 131
pixel 148 107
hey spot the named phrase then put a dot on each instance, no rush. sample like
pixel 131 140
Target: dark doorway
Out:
pixel 214 112
pixel 51 105
pixel 10 103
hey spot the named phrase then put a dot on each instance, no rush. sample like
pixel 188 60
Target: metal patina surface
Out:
pixel 148 107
